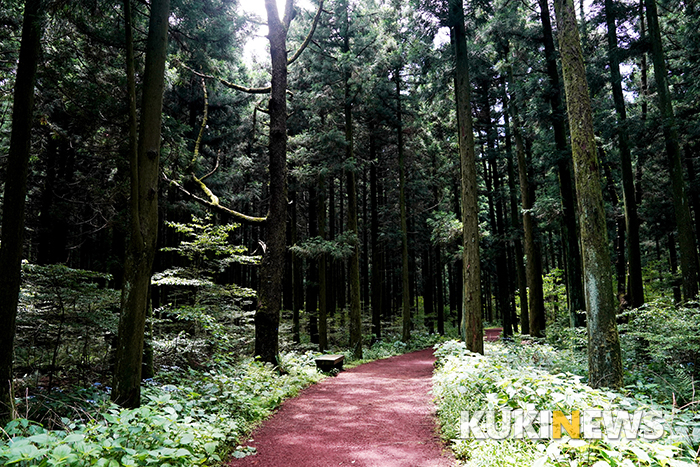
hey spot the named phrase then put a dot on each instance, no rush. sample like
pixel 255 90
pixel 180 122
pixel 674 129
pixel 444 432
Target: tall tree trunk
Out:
pixel 354 261
pixel 364 259
pixel 570 239
pixel 472 328
pixel 322 282
pixel 686 238
pixel 428 289
pixel 692 177
pixel 267 316
pixel 533 271
pixel 673 262
pixel 440 302
pixel 604 361
pixel 514 219
pixel 297 273
pixel 621 229
pixel 405 292
pixel 635 287
pixel 502 262
pixel 332 295
pixel 312 272
pixel 377 279
pixel 15 195
pixel 141 247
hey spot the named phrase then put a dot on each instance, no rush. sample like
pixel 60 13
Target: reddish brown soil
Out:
pixel 379 414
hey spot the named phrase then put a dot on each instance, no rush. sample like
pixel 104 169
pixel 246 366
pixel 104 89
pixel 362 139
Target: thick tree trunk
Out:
pixel 686 237
pixel 15 195
pixel 472 329
pixel 635 287
pixel 604 361
pixel 570 239
pixel 141 248
pixel 267 316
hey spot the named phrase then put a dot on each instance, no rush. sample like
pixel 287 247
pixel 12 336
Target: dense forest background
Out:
pixel 373 221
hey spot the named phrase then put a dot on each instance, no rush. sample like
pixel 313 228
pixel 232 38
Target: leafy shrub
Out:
pixel 194 419
pixel 65 321
pixel 661 347
pixel 514 376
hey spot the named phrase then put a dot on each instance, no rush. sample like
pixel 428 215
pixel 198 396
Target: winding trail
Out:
pixel 379 414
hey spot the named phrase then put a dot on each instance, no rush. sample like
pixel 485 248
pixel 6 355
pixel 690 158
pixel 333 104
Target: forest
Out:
pixel 180 216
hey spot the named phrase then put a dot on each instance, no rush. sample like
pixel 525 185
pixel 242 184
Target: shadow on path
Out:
pixel 378 414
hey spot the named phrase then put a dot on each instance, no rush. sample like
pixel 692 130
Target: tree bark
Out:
pixel 533 268
pixel 141 247
pixel 635 287
pixel 377 282
pixel 267 316
pixel 322 282
pixel 514 219
pixel 686 237
pixel 312 272
pixel 604 360
pixel 570 238
pixel 405 292
pixel 472 329
pixel 297 275
pixel 354 261
pixel 15 196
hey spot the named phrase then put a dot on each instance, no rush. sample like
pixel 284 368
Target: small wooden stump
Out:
pixel 326 363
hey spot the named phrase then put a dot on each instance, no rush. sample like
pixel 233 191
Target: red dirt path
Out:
pixel 379 414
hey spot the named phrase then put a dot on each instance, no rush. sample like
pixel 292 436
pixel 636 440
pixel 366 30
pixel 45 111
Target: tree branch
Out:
pixel 309 36
pixel 213 203
pixel 230 85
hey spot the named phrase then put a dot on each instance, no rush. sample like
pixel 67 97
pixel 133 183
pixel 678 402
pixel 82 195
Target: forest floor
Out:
pixel 377 414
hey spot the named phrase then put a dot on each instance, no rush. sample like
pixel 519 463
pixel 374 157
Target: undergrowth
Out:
pixel 196 422
pixel 516 376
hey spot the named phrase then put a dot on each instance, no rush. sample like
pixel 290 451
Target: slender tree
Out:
pixel 141 248
pixel 686 237
pixel 471 327
pixel 604 360
pixel 15 194
pixel 635 286
pixel 405 299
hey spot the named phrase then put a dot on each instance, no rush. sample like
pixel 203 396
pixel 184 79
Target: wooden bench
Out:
pixel 326 363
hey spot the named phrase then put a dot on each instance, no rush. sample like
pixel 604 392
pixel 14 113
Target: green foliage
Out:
pixel 515 376
pixel 661 348
pixel 65 317
pixel 340 248
pixel 194 420
pixel 209 244
pixel 212 314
